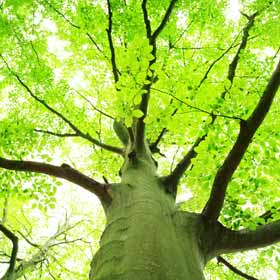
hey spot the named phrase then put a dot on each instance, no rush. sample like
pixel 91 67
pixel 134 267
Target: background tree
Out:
pixel 186 91
pixel 39 244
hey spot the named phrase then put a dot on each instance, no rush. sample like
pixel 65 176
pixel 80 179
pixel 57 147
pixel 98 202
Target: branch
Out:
pixel 140 126
pixel 14 240
pixel 164 20
pixel 5 210
pixel 111 45
pixel 215 61
pixel 230 241
pixel 146 19
pixel 172 180
pixel 74 26
pixel 154 146
pixel 57 134
pixel 234 269
pixel 43 250
pixel 62 15
pixel 247 130
pixel 93 106
pixel 86 136
pixel 211 114
pixel 64 171
pixel 234 63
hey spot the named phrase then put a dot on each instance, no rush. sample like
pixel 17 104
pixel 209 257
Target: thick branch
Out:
pixel 246 133
pixel 64 171
pixel 122 132
pixel 140 125
pixel 14 240
pixel 230 241
pixel 146 19
pixel 234 269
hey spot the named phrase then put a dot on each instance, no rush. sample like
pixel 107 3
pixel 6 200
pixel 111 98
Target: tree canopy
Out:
pixel 197 79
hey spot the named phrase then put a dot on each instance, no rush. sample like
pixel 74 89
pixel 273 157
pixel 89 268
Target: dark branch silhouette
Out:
pixel 211 114
pixel 111 45
pixel 186 160
pixel 247 130
pixel 216 61
pixel 231 241
pixel 164 20
pixel 14 240
pixel 172 180
pixel 64 171
pixel 234 269
pixel 234 63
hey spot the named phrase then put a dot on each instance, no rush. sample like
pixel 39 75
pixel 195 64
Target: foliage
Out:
pixel 60 51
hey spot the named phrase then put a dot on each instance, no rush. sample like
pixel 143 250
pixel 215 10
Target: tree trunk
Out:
pixel 145 237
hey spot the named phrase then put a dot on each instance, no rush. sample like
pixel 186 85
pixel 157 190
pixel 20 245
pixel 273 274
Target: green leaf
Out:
pixel 137 113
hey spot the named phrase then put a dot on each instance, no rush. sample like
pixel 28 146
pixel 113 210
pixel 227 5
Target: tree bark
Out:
pixel 145 238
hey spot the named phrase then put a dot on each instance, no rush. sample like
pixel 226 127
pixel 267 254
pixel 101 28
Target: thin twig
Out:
pixel 197 108
pixel 94 107
pixel 57 134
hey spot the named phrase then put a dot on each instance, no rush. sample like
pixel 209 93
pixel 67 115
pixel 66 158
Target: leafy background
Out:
pixel 60 49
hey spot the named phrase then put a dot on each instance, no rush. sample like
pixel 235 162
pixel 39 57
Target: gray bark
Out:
pixel 145 238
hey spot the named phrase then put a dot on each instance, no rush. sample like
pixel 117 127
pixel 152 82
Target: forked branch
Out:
pixel 247 130
pixel 149 79
pixel 64 171
pixel 173 179
pixel 216 61
pixel 164 20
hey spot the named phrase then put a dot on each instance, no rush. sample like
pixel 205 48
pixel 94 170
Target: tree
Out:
pixel 175 76
pixel 44 242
